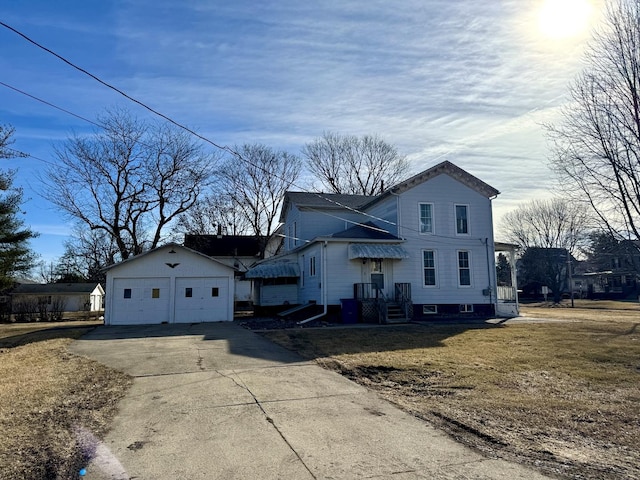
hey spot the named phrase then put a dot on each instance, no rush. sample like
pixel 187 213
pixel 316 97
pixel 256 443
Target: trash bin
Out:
pixel 349 307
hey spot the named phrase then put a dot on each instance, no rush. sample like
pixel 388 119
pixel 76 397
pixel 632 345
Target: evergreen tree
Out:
pixel 15 254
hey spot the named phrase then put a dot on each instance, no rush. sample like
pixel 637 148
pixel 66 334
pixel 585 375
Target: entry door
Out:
pixel 381 274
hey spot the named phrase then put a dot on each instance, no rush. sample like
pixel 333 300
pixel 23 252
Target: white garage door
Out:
pixel 138 301
pixel 200 299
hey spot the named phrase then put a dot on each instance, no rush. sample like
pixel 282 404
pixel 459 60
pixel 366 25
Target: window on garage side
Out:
pixel 155 293
pixel 188 292
pixel 215 292
pixel 127 293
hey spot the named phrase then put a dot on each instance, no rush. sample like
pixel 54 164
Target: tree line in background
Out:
pixel 133 184
pixel 596 157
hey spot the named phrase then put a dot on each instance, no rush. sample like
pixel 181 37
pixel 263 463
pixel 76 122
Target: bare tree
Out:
pixel 549 234
pixel 255 179
pixel 128 181
pixel 355 165
pixel 215 213
pixel 597 144
pixel 554 223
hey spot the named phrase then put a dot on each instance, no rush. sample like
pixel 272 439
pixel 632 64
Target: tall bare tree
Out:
pixel 549 234
pixel 129 180
pixel 354 165
pixel 597 143
pixel 255 179
pixel 216 212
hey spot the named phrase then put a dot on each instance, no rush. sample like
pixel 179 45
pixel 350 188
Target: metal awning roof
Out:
pixel 274 270
pixel 376 250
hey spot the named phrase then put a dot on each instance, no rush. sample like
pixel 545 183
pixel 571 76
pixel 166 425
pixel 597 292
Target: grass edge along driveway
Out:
pixel 51 400
pixel 561 396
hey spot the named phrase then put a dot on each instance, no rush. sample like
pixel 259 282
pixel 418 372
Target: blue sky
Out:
pixel 459 80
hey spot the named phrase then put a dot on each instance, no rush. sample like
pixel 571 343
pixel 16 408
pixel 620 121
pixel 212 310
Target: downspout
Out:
pixel 323 260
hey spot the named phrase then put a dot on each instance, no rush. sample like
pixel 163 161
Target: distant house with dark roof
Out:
pixel 61 297
pixel 420 249
pixel 237 251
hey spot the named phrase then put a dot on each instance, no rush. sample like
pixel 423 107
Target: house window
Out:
pixel 295 233
pixel 426 218
pixel 464 269
pixel 155 293
pixel 462 219
pixel 188 292
pixel 215 292
pixel 127 293
pixel 429 266
pixel 312 266
pixel 429 309
pixel 466 308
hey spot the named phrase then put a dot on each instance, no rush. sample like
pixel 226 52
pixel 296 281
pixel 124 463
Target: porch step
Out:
pixel 395 314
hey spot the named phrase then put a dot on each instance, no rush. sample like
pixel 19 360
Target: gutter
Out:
pixel 323 252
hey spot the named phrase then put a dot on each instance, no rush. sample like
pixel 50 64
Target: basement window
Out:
pixel 466 308
pixel 429 309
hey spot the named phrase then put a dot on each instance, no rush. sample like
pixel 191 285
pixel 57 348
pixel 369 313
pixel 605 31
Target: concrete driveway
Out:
pixel 216 401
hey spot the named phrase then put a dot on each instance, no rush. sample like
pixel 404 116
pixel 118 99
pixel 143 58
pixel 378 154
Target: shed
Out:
pixel 170 284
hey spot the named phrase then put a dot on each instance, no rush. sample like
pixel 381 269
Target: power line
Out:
pixel 181 126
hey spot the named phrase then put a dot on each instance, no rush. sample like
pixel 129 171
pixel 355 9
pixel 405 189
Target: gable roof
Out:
pixel 365 231
pixel 338 201
pixel 443 168
pixel 172 245
pixel 361 202
pixel 224 245
pixel 55 288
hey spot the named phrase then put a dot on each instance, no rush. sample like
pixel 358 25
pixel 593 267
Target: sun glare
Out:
pixel 560 19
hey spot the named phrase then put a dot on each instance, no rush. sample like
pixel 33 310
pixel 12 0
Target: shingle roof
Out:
pixel 55 288
pixel 224 245
pixel 323 200
pixel 274 269
pixel 367 231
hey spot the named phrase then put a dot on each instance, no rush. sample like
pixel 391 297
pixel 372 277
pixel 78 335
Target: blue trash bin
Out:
pixel 349 307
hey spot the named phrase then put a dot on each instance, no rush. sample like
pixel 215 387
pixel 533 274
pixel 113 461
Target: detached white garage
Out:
pixel 171 284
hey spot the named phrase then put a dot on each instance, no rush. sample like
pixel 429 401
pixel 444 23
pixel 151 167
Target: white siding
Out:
pixel 444 193
pixel 162 269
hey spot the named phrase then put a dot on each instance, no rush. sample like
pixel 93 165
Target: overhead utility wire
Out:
pixel 170 120
pixel 177 124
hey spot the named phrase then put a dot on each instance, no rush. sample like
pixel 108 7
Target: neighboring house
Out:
pixel 615 272
pixel 419 249
pixel 58 297
pixel 237 251
pixel 169 284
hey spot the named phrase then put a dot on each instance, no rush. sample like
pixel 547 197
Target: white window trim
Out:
pixel 470 269
pixel 435 267
pixel 455 219
pixel 433 221
pixel 429 309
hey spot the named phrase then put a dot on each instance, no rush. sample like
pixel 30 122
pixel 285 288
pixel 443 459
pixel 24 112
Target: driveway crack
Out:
pixel 269 419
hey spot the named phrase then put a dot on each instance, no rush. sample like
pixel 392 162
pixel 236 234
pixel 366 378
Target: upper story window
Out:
pixel 295 234
pixel 426 218
pixel 312 266
pixel 462 219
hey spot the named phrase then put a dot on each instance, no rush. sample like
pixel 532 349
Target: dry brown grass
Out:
pixel 561 396
pixel 46 395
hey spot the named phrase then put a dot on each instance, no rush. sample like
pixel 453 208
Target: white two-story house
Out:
pixel 420 249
